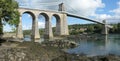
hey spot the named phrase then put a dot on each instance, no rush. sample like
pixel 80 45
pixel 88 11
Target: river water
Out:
pixel 107 44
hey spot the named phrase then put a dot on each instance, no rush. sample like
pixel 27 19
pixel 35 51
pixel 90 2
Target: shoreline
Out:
pixel 40 52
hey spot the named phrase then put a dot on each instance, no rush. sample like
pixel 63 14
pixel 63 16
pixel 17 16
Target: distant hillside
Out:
pixel 83 28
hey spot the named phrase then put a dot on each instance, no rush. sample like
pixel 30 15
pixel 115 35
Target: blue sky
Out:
pixel 93 9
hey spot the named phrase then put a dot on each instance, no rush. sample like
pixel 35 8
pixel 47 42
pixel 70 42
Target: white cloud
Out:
pixel 41 24
pixel 7 28
pixel 111 18
pixel 28 16
pixel 86 7
pixel 83 7
pixel 26 27
pixel 103 16
pixel 117 10
pixel 118 3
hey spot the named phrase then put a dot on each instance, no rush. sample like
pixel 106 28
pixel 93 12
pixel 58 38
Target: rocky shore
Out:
pixel 68 57
pixel 31 51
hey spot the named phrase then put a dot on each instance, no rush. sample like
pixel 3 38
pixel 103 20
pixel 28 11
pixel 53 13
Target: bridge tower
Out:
pixel 61 7
pixel 64 25
pixel 105 28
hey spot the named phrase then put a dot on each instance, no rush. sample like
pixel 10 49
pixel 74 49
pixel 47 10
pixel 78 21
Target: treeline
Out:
pixel 83 28
pixel 28 32
pixel 92 28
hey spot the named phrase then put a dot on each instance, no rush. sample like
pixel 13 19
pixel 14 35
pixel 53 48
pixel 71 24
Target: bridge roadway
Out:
pixel 76 16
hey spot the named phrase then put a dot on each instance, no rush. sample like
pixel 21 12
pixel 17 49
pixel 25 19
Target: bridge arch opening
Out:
pixel 43 19
pixel 56 24
pixel 27 23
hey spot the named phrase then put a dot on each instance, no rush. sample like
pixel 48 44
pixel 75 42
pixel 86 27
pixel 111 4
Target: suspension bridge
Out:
pixel 61 21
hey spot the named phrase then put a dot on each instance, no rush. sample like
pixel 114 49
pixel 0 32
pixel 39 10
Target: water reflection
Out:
pixel 107 44
pixel 28 38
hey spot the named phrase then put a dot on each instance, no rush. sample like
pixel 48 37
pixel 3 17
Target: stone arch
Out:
pixel 33 18
pixel 48 28
pixel 45 15
pixel 58 24
pixel 57 17
pixel 31 13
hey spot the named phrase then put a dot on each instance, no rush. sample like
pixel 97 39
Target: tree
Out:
pixel 98 28
pixel 90 29
pixel 8 13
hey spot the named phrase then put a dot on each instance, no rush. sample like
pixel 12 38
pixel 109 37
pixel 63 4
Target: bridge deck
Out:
pixel 76 16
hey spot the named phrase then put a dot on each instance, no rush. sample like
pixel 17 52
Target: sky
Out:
pixel 93 9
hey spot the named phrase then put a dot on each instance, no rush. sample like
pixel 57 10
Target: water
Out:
pixel 109 44
pixel 28 38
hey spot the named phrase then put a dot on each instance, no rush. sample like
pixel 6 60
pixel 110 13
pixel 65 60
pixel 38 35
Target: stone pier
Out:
pixel 48 29
pixel 35 30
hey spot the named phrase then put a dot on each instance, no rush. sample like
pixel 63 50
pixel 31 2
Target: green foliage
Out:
pixel 90 29
pixel 98 28
pixel 118 27
pixel 27 32
pixel 41 31
pixel 115 29
pixel 8 13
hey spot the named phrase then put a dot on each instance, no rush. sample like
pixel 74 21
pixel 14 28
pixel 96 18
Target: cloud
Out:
pixel 7 28
pixel 86 7
pixel 26 27
pixel 117 10
pixel 82 7
pixel 103 16
pixel 41 24
pixel 111 18
pixel 28 16
pixel 108 18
